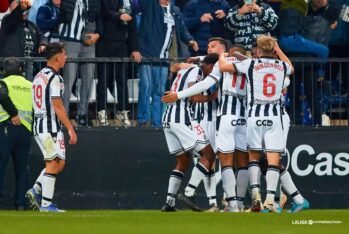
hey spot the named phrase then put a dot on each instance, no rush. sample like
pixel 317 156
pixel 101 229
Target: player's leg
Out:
pixel 182 162
pixel 242 177
pixel 254 172
pixel 210 180
pixel 299 202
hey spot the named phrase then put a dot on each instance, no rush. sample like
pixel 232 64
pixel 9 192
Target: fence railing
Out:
pixel 318 94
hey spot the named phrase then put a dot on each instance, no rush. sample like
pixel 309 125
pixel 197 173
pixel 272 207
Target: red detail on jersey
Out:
pixel 269 87
pixel 175 85
pixel 38 95
pixel 199 130
pixel 243 81
pixel 61 144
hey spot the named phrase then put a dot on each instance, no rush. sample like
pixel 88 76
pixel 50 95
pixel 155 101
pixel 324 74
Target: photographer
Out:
pixel 205 19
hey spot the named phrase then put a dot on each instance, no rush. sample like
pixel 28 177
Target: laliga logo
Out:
pixel 326 164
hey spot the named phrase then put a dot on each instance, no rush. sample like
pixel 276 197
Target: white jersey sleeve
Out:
pixel 243 66
pixel 56 88
pixel 288 69
pixel 216 73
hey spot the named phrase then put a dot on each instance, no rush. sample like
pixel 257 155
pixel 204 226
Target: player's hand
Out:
pixel 169 97
pixel 194 45
pixel 277 48
pixel 16 120
pixel 93 38
pixel 125 17
pixel 73 138
pixel 136 56
pixel 220 14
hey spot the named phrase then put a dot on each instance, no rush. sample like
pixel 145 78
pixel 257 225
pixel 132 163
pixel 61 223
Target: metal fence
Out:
pixel 312 99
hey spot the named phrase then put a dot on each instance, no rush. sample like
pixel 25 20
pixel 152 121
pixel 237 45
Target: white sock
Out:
pixel 229 185
pixel 272 178
pixel 242 182
pixel 38 183
pixel 173 186
pixel 254 172
pixel 210 187
pixel 48 189
pixel 290 187
pixel 198 174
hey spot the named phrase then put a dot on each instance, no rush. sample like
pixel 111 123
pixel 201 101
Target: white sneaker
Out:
pixel 102 118
pixel 325 120
pixel 123 117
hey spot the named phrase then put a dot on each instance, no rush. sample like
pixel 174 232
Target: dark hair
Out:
pixel 221 40
pixel 52 49
pixel 240 48
pixel 211 58
pixel 12 66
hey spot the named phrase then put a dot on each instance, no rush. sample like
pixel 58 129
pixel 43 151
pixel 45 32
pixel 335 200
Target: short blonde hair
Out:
pixel 266 43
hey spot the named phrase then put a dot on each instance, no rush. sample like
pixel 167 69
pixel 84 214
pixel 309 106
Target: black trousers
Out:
pixel 110 72
pixel 15 142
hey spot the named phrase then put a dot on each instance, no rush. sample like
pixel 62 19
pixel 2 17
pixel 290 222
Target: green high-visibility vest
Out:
pixel 20 93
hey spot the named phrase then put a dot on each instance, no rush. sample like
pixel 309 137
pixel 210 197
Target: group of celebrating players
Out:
pixel 231 108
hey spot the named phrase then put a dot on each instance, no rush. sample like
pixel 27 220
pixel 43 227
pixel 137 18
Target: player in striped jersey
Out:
pixel 265 78
pixel 207 103
pixel 182 137
pixel 231 104
pixel 49 114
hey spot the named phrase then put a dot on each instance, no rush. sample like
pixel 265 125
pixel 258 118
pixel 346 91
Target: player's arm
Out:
pixel 283 56
pixel 62 116
pixel 224 66
pixel 199 87
pixel 199 98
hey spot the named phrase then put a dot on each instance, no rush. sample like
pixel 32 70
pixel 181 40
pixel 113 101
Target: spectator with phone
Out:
pixel 249 19
pixel 205 19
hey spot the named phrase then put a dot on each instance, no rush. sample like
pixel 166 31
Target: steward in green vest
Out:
pixel 15 127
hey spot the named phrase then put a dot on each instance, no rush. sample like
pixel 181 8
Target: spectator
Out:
pixel 161 28
pixel 119 36
pixel 339 47
pixel 15 127
pixel 34 9
pixel 204 19
pixel 18 36
pixel 48 19
pixel 248 20
pixel 79 32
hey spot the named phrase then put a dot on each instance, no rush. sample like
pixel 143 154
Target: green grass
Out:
pixel 154 222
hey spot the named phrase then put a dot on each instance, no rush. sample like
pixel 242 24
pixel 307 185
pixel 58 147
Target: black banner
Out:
pixel 129 169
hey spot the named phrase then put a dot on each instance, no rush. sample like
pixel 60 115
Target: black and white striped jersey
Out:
pixel 232 91
pixel 73 30
pixel 207 110
pixel 47 85
pixel 265 77
pixel 179 112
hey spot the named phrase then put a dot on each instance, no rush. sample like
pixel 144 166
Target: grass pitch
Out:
pixel 154 222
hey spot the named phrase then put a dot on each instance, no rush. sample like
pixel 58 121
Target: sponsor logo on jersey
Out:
pixel 266 122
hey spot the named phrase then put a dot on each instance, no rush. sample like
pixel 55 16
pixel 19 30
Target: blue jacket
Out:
pixel 48 18
pixel 201 32
pixel 152 30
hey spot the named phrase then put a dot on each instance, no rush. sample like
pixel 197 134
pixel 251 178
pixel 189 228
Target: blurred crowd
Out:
pixel 166 29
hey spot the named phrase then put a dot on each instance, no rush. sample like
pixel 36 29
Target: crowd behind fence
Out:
pixel 309 101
